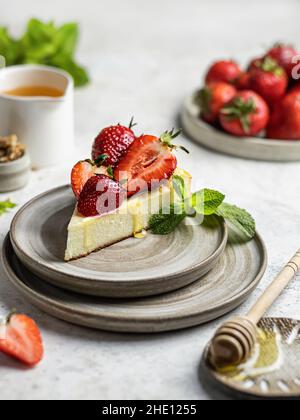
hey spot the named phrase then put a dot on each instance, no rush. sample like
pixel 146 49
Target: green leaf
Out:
pixel 206 201
pixel 5 206
pixel 78 73
pixel 163 224
pixel 67 38
pixel 239 218
pixel 179 186
pixel 45 43
pixel 9 48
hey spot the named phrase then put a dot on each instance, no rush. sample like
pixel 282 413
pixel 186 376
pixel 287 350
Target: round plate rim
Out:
pixel 143 280
pixel 222 308
pixel 213 375
pixel 270 144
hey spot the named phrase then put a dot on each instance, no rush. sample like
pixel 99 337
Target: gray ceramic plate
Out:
pixel 235 276
pixel 131 268
pixel 249 148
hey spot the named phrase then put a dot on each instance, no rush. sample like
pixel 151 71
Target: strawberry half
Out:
pixel 148 161
pixel 100 195
pixel 113 142
pixel 83 171
pixel 23 340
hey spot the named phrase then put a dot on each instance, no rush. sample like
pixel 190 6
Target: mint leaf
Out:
pixel 67 38
pixel 45 43
pixel 179 186
pixel 9 48
pixel 5 206
pixel 206 201
pixel 163 224
pixel 239 218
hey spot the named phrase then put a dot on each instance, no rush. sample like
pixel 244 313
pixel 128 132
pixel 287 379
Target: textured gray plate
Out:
pixel 249 148
pixel 131 268
pixel 236 275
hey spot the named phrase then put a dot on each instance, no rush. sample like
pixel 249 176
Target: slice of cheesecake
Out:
pixel 89 234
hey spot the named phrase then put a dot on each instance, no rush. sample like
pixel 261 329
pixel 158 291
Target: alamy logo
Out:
pixel 296 69
pixel 2 62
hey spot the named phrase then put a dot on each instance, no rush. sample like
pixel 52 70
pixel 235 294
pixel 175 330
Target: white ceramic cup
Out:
pixel 44 124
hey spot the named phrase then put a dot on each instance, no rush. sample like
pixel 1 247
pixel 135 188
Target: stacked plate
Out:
pixel 158 283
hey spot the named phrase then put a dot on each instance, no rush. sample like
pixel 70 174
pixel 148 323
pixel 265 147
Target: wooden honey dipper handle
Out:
pixel 274 290
pixel 235 340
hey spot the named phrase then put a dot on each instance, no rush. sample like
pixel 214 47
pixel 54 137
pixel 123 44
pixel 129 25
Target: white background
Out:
pixel 144 58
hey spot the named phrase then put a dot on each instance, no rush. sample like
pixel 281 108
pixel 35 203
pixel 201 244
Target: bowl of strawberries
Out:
pixel 252 113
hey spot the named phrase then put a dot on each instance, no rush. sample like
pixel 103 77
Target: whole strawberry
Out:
pixel 100 195
pixel 113 142
pixel 223 71
pixel 212 98
pixel 283 54
pixel 285 118
pixel 268 80
pixel 246 115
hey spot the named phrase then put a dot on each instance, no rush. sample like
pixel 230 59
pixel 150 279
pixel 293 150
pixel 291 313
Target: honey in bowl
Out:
pixel 37 91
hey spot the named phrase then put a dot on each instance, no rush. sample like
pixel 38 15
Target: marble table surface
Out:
pixel 144 58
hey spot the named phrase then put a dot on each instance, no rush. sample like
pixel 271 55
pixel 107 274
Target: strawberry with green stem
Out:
pixel 113 141
pixel 149 160
pixel 246 115
pixel 269 80
pixel 212 98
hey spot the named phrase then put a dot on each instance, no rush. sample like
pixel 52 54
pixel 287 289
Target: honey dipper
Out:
pixel 235 340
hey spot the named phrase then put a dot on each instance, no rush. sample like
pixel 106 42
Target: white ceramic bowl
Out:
pixel 14 175
pixel 244 147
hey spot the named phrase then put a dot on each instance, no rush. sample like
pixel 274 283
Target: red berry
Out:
pixel 100 195
pixel 81 172
pixel 269 80
pixel 246 115
pixel 285 118
pixel 223 71
pixel 148 161
pixel 22 340
pixel 113 142
pixel 284 55
pixel 212 98
pixel 243 82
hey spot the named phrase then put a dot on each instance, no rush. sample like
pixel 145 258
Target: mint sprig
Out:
pixel 45 43
pixel 5 206
pixel 205 202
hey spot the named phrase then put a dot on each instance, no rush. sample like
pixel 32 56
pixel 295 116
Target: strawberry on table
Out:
pixel 212 98
pixel 285 118
pixel 113 142
pixel 268 80
pixel 223 71
pixel 148 161
pixel 246 115
pixel 100 195
pixel 284 54
pixel 23 340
